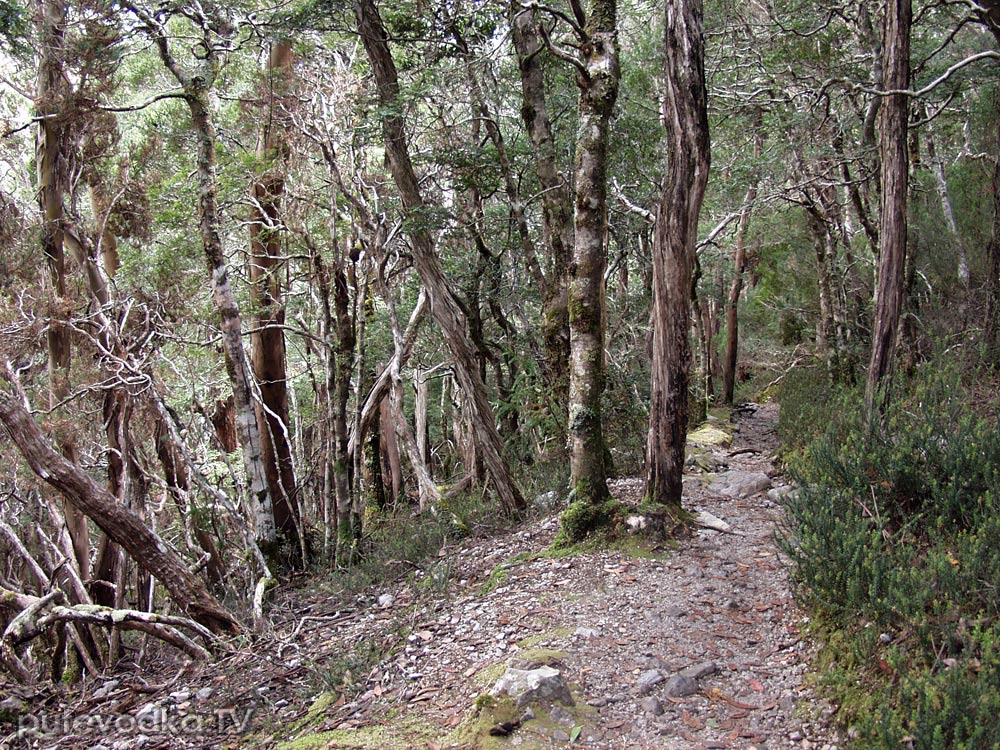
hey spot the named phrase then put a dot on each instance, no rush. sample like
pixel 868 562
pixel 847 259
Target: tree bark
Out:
pixel 444 307
pixel 893 148
pixel 119 523
pixel 53 96
pixel 557 217
pixel 687 163
pixel 267 270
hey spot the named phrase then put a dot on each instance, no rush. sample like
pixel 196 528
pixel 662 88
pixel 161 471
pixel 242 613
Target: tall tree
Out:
pixel 893 149
pixel 267 272
pixel 688 158
pixel 53 96
pixel 597 77
pixel 445 308
pixel 195 87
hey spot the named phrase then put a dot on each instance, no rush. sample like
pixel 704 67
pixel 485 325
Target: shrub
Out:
pixel 895 533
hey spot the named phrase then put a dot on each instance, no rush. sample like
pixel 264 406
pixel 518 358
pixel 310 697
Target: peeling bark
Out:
pixel 893 147
pixel 687 164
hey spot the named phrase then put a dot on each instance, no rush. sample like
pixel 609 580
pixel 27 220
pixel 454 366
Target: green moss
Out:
pixel 487 676
pixel 549 635
pixel 532 658
pixel 497 578
pixel 474 732
pixel 582 519
pixel 402 734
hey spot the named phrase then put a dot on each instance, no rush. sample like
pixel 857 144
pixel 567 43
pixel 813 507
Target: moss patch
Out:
pixel 402 734
pixel 549 635
pixel 583 519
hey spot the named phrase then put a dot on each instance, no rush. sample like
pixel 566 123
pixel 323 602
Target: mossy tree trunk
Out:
pixel 597 77
pixel 687 163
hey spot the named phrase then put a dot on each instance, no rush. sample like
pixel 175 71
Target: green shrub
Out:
pixel 894 539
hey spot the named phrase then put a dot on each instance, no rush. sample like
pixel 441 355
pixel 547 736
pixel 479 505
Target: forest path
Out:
pixel 619 625
pixel 695 646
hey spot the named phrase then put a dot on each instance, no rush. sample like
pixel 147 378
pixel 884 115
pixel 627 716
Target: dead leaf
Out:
pixel 424 635
pixel 756 686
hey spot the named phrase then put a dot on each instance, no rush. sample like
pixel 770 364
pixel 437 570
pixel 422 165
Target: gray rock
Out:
pixel 651 705
pixel 150 713
pixel 598 702
pixel 528 715
pixel 681 686
pixel 674 611
pixel 386 600
pixel 204 694
pixel 586 632
pixel 179 696
pixel 559 735
pixel 11 707
pixel 699 671
pixel 542 685
pixel 561 716
pixel 740 483
pixel 548 501
pixel 648 680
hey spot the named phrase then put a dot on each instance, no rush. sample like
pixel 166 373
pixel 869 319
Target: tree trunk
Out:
pixel 598 84
pixel 893 148
pixel 444 307
pixel 687 165
pixel 557 219
pixel 119 523
pixel 739 263
pixel 267 271
pixel 52 98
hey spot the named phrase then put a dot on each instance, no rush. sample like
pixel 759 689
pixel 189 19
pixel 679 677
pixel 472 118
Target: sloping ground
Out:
pixel 694 646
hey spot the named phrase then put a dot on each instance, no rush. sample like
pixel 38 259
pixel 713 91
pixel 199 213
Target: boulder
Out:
pixel 542 685
pixel 740 483
pixel 708 435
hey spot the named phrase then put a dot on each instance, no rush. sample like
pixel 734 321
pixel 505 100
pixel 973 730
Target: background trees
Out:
pixel 503 204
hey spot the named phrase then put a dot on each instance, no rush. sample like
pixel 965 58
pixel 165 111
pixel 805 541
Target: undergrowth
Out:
pixel 894 539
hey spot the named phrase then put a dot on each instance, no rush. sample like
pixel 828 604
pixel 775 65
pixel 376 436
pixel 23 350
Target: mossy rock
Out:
pixel 583 519
pixel 402 734
pixel 532 658
pixel 710 435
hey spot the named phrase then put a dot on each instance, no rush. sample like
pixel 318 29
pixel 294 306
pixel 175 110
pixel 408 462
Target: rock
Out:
pixel 559 735
pixel 796 736
pixel 528 715
pixel 700 671
pixel 648 680
pixel 740 483
pixel 386 600
pixel 709 435
pixel 586 632
pixel 548 501
pixel 706 520
pixel 204 694
pixel 681 686
pixel 560 715
pixel 151 713
pixel 11 707
pixel 674 611
pixel 179 696
pixel 542 685
pixel 599 702
pixel 651 705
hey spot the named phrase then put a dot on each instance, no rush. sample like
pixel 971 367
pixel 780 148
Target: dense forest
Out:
pixel 287 285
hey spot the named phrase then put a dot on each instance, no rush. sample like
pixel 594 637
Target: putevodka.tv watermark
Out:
pixel 159 721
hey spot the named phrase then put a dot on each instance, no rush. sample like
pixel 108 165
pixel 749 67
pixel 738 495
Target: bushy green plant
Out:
pixel 894 537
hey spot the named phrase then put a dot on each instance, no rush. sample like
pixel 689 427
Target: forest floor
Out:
pixel 694 645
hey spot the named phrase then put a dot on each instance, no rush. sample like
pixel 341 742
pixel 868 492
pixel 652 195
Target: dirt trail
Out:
pixel 620 627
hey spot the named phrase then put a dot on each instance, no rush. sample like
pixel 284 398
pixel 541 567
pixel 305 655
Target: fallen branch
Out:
pixel 38 614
